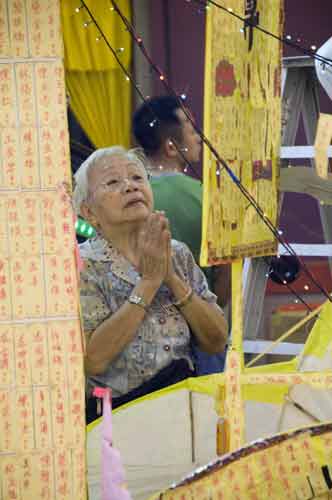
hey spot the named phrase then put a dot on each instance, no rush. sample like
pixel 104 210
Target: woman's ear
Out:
pixel 88 214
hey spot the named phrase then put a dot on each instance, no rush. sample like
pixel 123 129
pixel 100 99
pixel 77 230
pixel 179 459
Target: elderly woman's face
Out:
pixel 119 191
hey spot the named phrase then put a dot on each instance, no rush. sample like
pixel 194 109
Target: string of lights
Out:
pixel 130 78
pixel 287 40
pixel 139 41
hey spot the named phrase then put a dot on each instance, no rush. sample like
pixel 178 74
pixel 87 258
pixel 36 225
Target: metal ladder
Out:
pixel 300 96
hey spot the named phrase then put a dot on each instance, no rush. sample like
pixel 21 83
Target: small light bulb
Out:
pixel 284 282
pixel 218 172
pixel 127 78
pixel 306 287
pixel 183 97
pixel 97 39
pixel 241 30
pixel 161 77
pixel 230 9
pixel 288 37
pixel 139 40
pixel 296 301
pixel 313 47
pixel 78 9
pixel 121 49
pixel 185 170
pixel 280 231
pixel 111 8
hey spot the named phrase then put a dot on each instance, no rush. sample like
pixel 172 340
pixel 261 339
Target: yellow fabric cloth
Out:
pixel 100 95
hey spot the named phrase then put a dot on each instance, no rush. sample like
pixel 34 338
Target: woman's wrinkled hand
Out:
pixel 153 245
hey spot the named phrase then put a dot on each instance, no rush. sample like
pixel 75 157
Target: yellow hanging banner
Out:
pixel 242 118
pixel 42 383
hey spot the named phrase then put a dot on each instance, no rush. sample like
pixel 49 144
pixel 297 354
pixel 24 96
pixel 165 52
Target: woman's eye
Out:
pixel 137 178
pixel 112 181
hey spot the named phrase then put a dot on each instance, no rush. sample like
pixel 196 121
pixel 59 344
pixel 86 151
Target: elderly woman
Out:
pixel 143 297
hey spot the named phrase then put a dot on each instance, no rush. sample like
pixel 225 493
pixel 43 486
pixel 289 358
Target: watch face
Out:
pixel 136 299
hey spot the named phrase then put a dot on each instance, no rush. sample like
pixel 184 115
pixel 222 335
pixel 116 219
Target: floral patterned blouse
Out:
pixel 107 280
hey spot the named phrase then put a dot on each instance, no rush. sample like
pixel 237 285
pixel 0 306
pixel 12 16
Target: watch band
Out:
pixel 137 300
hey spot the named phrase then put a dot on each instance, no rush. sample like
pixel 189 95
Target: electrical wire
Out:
pixel 132 81
pixel 139 41
pixel 286 41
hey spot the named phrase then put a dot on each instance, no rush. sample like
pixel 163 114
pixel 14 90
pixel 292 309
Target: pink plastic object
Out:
pixel 99 392
pixel 112 474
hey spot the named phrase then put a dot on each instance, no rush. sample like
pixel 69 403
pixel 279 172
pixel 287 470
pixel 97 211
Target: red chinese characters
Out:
pixel 26 99
pixel 18 32
pixel 225 79
pixel 5 290
pixel 4 32
pixel 9 147
pixel 23 402
pixel 7 100
pixel 42 418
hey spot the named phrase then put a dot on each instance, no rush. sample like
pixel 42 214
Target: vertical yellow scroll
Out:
pixel 234 365
pixel 242 120
pixel 42 428
pixel 323 140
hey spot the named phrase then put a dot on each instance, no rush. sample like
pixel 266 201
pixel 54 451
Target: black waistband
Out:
pixel 176 371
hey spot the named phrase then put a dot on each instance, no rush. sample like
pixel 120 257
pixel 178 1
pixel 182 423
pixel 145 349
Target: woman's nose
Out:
pixel 129 185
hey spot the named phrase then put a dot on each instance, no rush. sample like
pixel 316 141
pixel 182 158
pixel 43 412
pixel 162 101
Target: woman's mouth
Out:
pixel 135 202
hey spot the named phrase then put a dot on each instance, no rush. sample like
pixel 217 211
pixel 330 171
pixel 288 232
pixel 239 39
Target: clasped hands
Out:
pixel 155 253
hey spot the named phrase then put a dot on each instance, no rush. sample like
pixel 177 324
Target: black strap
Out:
pixel 175 372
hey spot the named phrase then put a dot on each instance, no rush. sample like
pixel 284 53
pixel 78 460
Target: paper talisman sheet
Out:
pixel 42 423
pixel 294 465
pixel 242 120
pixel 322 141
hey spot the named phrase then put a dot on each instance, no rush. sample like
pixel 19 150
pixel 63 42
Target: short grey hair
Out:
pixel 81 190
